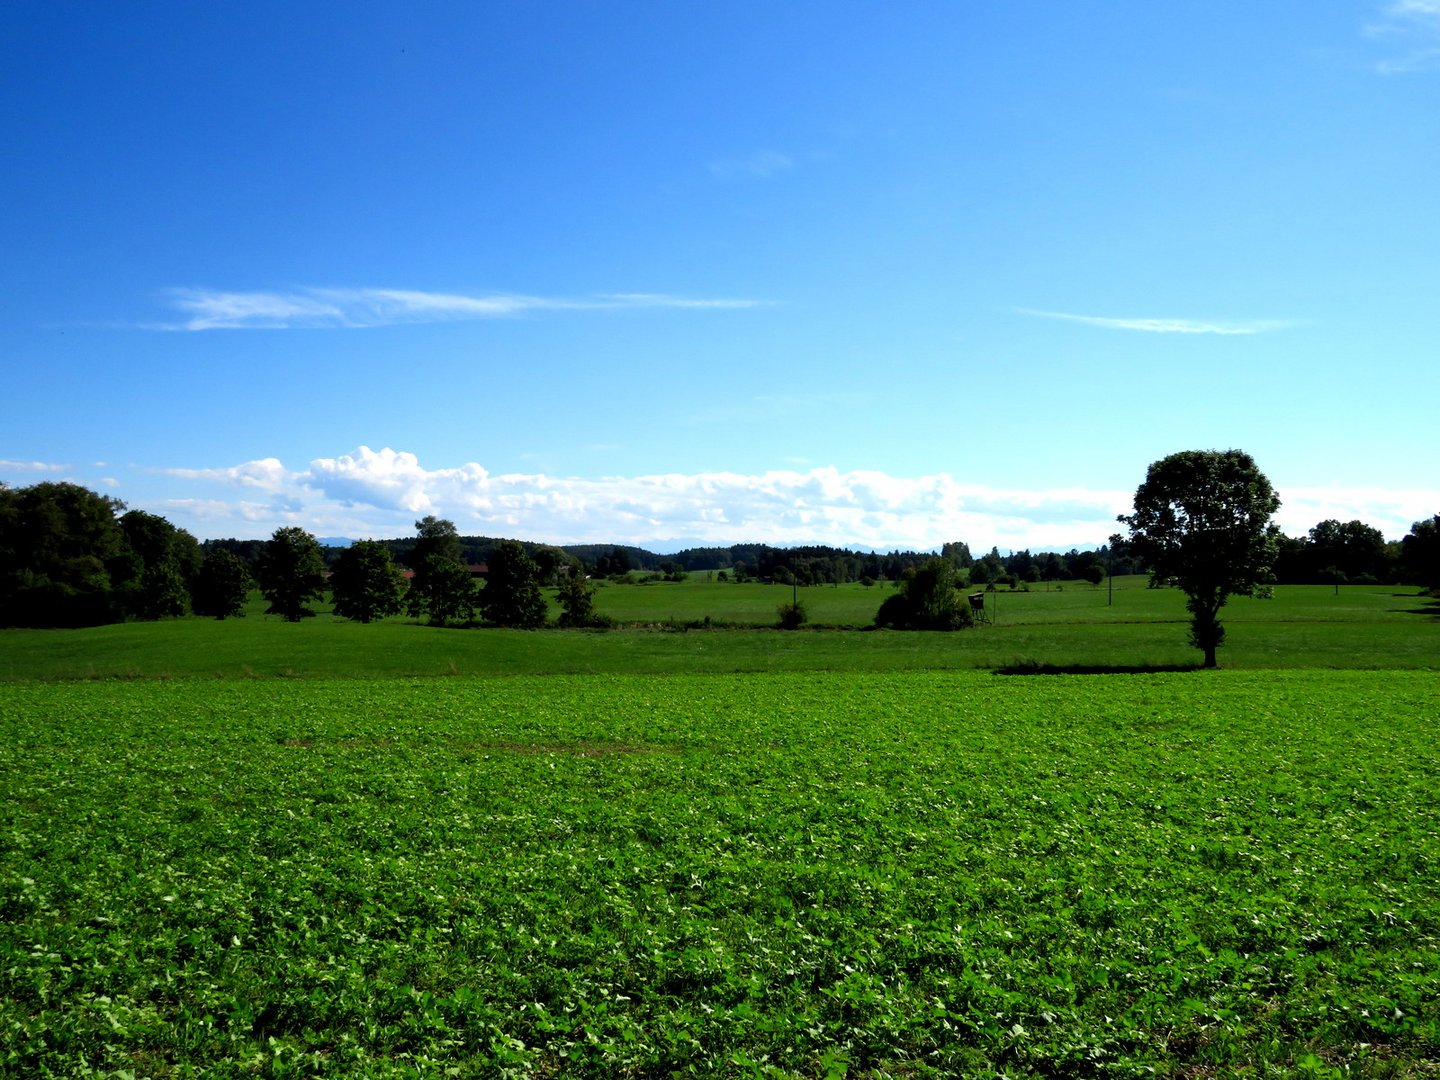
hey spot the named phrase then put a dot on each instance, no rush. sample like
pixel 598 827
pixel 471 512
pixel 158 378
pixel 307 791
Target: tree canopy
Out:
pixel 442 587
pixel 511 596
pixel 166 563
pixel 1420 553
pixel 577 604
pixel 365 583
pixel 62 555
pixel 1202 520
pixel 436 538
pixel 291 573
pixel 222 585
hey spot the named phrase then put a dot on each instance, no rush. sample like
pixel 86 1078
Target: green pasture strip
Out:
pixel 187 649
pixel 1072 628
pixel 850 604
pixel 254 649
pixel 1130 600
pixel 751 603
pixel 918 874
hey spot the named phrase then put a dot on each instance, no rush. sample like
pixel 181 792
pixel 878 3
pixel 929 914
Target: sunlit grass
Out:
pixel 914 874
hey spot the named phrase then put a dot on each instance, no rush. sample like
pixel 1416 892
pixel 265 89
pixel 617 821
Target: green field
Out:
pixel 1074 627
pixel 252 848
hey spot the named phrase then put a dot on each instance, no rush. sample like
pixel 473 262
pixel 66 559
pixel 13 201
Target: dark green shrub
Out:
pixel 927 599
pixel 792 616
pixel 577 606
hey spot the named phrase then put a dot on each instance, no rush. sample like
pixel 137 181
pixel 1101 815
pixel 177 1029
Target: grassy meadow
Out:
pixel 250 848
pixel 664 630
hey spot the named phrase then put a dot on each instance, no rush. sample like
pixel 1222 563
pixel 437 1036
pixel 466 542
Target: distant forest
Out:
pixel 72 557
pixel 1333 552
pixel 812 564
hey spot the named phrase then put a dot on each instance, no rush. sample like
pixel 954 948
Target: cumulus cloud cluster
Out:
pixel 1391 510
pixel 382 492
pixel 267 474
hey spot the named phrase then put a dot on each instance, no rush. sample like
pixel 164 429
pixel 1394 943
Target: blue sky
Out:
pixel 864 274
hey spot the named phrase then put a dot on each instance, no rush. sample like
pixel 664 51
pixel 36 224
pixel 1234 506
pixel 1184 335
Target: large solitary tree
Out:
pixel 1202 520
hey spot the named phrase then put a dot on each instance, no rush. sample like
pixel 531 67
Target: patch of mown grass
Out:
pixel 886 874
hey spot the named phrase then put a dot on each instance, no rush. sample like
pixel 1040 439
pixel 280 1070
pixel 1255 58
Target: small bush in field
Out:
pixel 792 616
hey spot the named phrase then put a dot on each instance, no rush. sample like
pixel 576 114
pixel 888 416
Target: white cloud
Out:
pixel 660 300
pixel 32 466
pixel 760 165
pixel 267 474
pixel 242 518
pixel 1391 511
pixel 390 479
pixel 1162 326
pixel 382 492
pixel 1412 27
pixel 213 309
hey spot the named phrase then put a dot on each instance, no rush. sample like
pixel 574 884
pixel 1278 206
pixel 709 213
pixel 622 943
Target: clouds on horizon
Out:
pixel 381 493
pixel 309 308
pixel 1162 326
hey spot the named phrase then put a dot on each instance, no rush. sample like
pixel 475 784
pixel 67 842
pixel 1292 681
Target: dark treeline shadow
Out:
pixel 1035 667
pixel 1429 605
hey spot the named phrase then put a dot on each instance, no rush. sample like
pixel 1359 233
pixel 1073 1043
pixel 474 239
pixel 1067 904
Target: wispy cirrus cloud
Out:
pixel 217 309
pixel 1411 28
pixel 760 165
pixel 1162 326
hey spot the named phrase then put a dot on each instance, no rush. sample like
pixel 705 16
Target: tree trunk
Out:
pixel 1206 633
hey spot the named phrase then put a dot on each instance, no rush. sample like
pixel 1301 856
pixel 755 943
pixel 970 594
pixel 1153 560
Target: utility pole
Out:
pixel 1110 567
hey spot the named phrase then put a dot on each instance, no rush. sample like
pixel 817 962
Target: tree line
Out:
pixel 73 557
